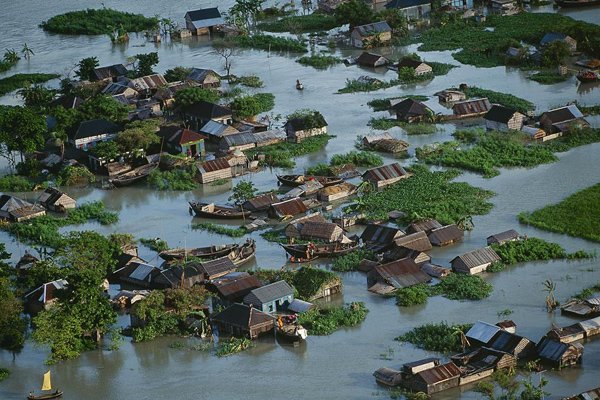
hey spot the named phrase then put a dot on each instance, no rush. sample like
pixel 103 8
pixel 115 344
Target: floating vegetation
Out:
pixel 253 81
pixel 301 23
pixel 220 229
pixel 283 154
pixel 386 103
pixel 504 99
pixel 357 158
pixel 319 61
pixel 232 346
pixel 534 249
pixel 269 43
pixel 441 337
pixel 548 77
pixel 326 321
pixel 351 261
pixel 463 287
pixel 412 295
pixel 156 244
pixel 177 179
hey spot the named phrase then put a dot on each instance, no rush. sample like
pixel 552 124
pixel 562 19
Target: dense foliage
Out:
pixel 301 23
pixel 251 105
pixel 16 183
pixel 191 95
pixel 534 249
pixel 74 175
pixel 413 128
pixel 351 261
pixel 357 158
pixel 253 81
pixel 548 77
pixel 283 154
pixel 308 281
pixel 12 324
pixel 176 74
pixel 463 287
pixel 578 215
pixel 155 244
pixel 441 337
pixel 177 179
pixel 385 103
pixel 17 81
pixel 504 99
pixel 220 229
pixel 326 321
pixel 319 61
pixel 232 346
pixel 412 295
pixel 98 22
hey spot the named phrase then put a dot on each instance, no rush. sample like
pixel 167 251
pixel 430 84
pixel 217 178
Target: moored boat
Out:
pixel 289 330
pixel 588 76
pixel 310 251
pixel 133 176
pixel 244 253
pixel 576 3
pixel 210 210
pixel 200 252
pixel 297 180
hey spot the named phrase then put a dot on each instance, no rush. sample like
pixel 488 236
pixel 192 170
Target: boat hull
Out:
pixel 202 252
pixel 575 4
pixel 294 180
pixel 219 212
pixel 327 251
pixel 57 394
pixel 134 176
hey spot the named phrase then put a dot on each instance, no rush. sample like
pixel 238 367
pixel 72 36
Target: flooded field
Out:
pixel 328 367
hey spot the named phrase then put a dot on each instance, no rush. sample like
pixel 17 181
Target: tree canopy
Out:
pixel 191 95
pixel 85 68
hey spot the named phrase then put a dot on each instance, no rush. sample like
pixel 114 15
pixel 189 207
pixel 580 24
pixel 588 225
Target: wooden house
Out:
pixel 507 236
pixel 425 225
pixel 435 271
pixel 232 288
pixel 294 227
pixel 551 37
pixel 412 9
pixel 148 85
pixel 369 140
pixel 371 60
pixel 395 275
pixel 563 119
pixel 410 110
pixel 435 379
pixel 446 235
pixel 137 273
pixel 518 346
pixel 205 78
pixel 186 142
pixel 417 66
pixel 178 277
pixel 203 21
pixel 244 321
pixel 414 367
pixel 591 327
pixel 300 128
pixel 397 253
pixel 287 208
pixel 323 231
pixel 215 131
pixel 337 192
pixel 557 354
pixel 533 132
pixel 261 202
pixel 43 297
pixel 414 241
pixel 120 89
pixel 374 34
pixel 503 119
pixel 110 73
pixel 471 108
pixel 212 170
pixel 270 298
pixel 14 209
pixel 385 175
pixel 481 363
pixel 481 333
pixel 379 237
pixel 54 200
pixel 474 262
pixel 91 132
pixel 582 308
pixel 249 140
pixel 198 114
pixel 450 96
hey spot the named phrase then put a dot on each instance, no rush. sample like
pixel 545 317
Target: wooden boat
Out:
pixel 297 180
pixel 243 254
pixel 299 86
pixel 588 76
pixel 576 3
pixel 311 251
pixel 288 329
pixel 133 176
pixel 210 210
pixel 200 252
pixel 46 385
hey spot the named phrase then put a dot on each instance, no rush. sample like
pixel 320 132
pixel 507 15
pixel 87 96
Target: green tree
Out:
pixel 243 13
pixel 103 107
pixel 242 192
pixel 406 74
pixel 144 63
pixel 354 13
pixel 36 96
pixel 396 20
pixel 85 70
pixel 555 53
pixel 177 74
pixel 12 325
pixel 138 135
pixel 191 95
pixel 41 272
pixel 109 150
pixel 22 130
pixel 27 52
pixel 5 269
pixel 249 106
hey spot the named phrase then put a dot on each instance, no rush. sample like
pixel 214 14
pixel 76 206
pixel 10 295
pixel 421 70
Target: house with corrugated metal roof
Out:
pixel 288 208
pixel 435 379
pixel 371 60
pixel 481 363
pixel 503 119
pixel 232 288
pixel 471 108
pixel 199 113
pixel 557 354
pixel 261 202
pixel 185 141
pixel 217 130
pixel 14 209
pixel 398 274
pixel 120 89
pixel 111 72
pixel 91 132
pixel 503 237
pixel 305 125
pixel 148 85
pixel 411 110
pixel 417 66
pixel 552 37
pixel 43 297
pixel 54 200
pixel 212 170
pixel 374 34
pixel 270 298
pixel 482 333
pixel 519 346
pixel 203 21
pixel 378 237
pixel 248 140
pixel 591 327
pixel 205 78
pixel 563 120
pixel 425 225
pixel 474 262
pixel 138 273
pixel 337 192
pixel 446 235
pixel 385 175
pixel 435 271
pixel 450 96
pixel 178 277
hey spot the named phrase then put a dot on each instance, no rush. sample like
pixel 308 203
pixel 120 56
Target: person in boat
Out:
pixel 279 322
pixel 299 85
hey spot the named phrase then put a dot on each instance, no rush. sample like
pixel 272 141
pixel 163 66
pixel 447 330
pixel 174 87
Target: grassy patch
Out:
pixel 441 337
pixel 463 287
pixel 232 346
pixel 413 295
pixel 301 23
pixel 357 158
pixel 249 81
pixel 573 139
pixel 588 292
pixel 578 215
pixel 534 249
pixel 351 261
pixel 504 99
pixel 307 281
pixel 18 81
pixel 319 61
pixel 427 194
pixel 220 229
pixel 548 77
pixel 326 321
pixel 177 179
pixel 269 43
pixel 356 85
pixel 157 245
pixel 386 104
pixel 98 22
pixel 416 128
pixel 283 154
pixel 485 152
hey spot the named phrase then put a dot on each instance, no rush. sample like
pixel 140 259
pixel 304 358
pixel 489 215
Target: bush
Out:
pixel 548 77
pixel 4 373
pixel 157 245
pixel 70 176
pixel 16 183
pixel 177 179
pixel 282 154
pixel 249 81
pixel 220 229
pixel 463 287
pixel 232 346
pixel 504 99
pixel 320 170
pixel 319 61
pixel 252 105
pixel 301 23
pixel 412 295
pixel 98 22
pixel 351 261
pixel 533 249
pixel 326 321
pixel 440 337
pixel 357 158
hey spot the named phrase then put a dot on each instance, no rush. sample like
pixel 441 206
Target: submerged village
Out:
pixel 332 199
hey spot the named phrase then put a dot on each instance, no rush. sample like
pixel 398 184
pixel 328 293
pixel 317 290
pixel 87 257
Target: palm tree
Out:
pixel 11 56
pixel 27 52
pixel 466 223
pixel 550 288
pixel 464 342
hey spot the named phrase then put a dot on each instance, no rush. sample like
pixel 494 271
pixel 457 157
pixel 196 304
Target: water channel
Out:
pixel 329 367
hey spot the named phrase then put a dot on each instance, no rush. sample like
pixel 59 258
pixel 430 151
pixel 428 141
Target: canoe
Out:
pixel 133 176
pixel 576 3
pixel 243 254
pixel 297 180
pixel 54 395
pixel 291 333
pixel 301 251
pixel 200 252
pixel 210 210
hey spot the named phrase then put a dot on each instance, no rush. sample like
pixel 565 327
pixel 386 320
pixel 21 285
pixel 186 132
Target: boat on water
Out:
pixel 133 176
pixel 576 3
pixel 299 85
pixel 243 254
pixel 46 386
pixel 310 251
pixel 289 330
pixel 297 180
pixel 210 210
pixel 588 76
pixel 200 252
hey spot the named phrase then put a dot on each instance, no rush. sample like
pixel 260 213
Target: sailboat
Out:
pixel 46 386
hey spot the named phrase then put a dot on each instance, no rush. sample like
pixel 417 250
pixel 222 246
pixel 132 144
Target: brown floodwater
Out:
pixel 339 365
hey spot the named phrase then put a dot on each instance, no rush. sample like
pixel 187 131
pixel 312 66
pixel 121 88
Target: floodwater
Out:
pixel 329 367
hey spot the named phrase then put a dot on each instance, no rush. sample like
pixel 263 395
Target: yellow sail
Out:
pixel 47 385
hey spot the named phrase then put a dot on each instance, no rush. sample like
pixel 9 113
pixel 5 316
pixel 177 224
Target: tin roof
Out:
pixel 374 137
pixel 590 324
pixel 385 172
pixel 215 165
pixel 321 230
pixel 440 373
pixel 408 62
pixel 478 257
pixel 551 349
pixel 563 114
pixel 401 273
pixel 237 288
pixel 268 293
pixel 242 316
pixel 289 207
pixel 148 82
pixel 200 74
pixel 216 266
pixel 261 202
pixel 369 59
pixel 446 234
pixel 411 107
pixel 374 28
pixel 506 341
pixel 500 113
pixel 482 332
pixel 424 225
pixel 380 234
pixel 111 71
pixel 185 136
pixel 214 128
pixel 473 106
pixel 415 241
pixel 503 236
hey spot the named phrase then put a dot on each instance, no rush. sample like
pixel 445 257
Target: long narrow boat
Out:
pixel 311 251
pixel 210 210
pixel 200 252
pixel 291 333
pixel 576 3
pixel 588 76
pixel 243 254
pixel 55 395
pixel 133 176
pixel 297 180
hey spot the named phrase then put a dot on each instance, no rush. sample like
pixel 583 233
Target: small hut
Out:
pixel 410 110
pixel 44 296
pixel 388 377
pixel 503 237
pixel 371 60
pixel 519 346
pixel 261 202
pixel 425 225
pixel 450 96
pixel 482 333
pixel 436 379
pixel 471 108
pixel 270 298
pixel 14 209
pixel 304 125
pixel 591 327
pixel 375 33
pixel 54 200
pixel 417 66
pixel 337 192
pixel 324 231
pixel 435 271
pixel 379 237
pixel 474 262
pixel 446 235
pixel 503 119
pixel 287 208
pixel 395 275
pixel 212 170
pixel 385 175
pixel 558 354
pixel 568 334
pixel 242 320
